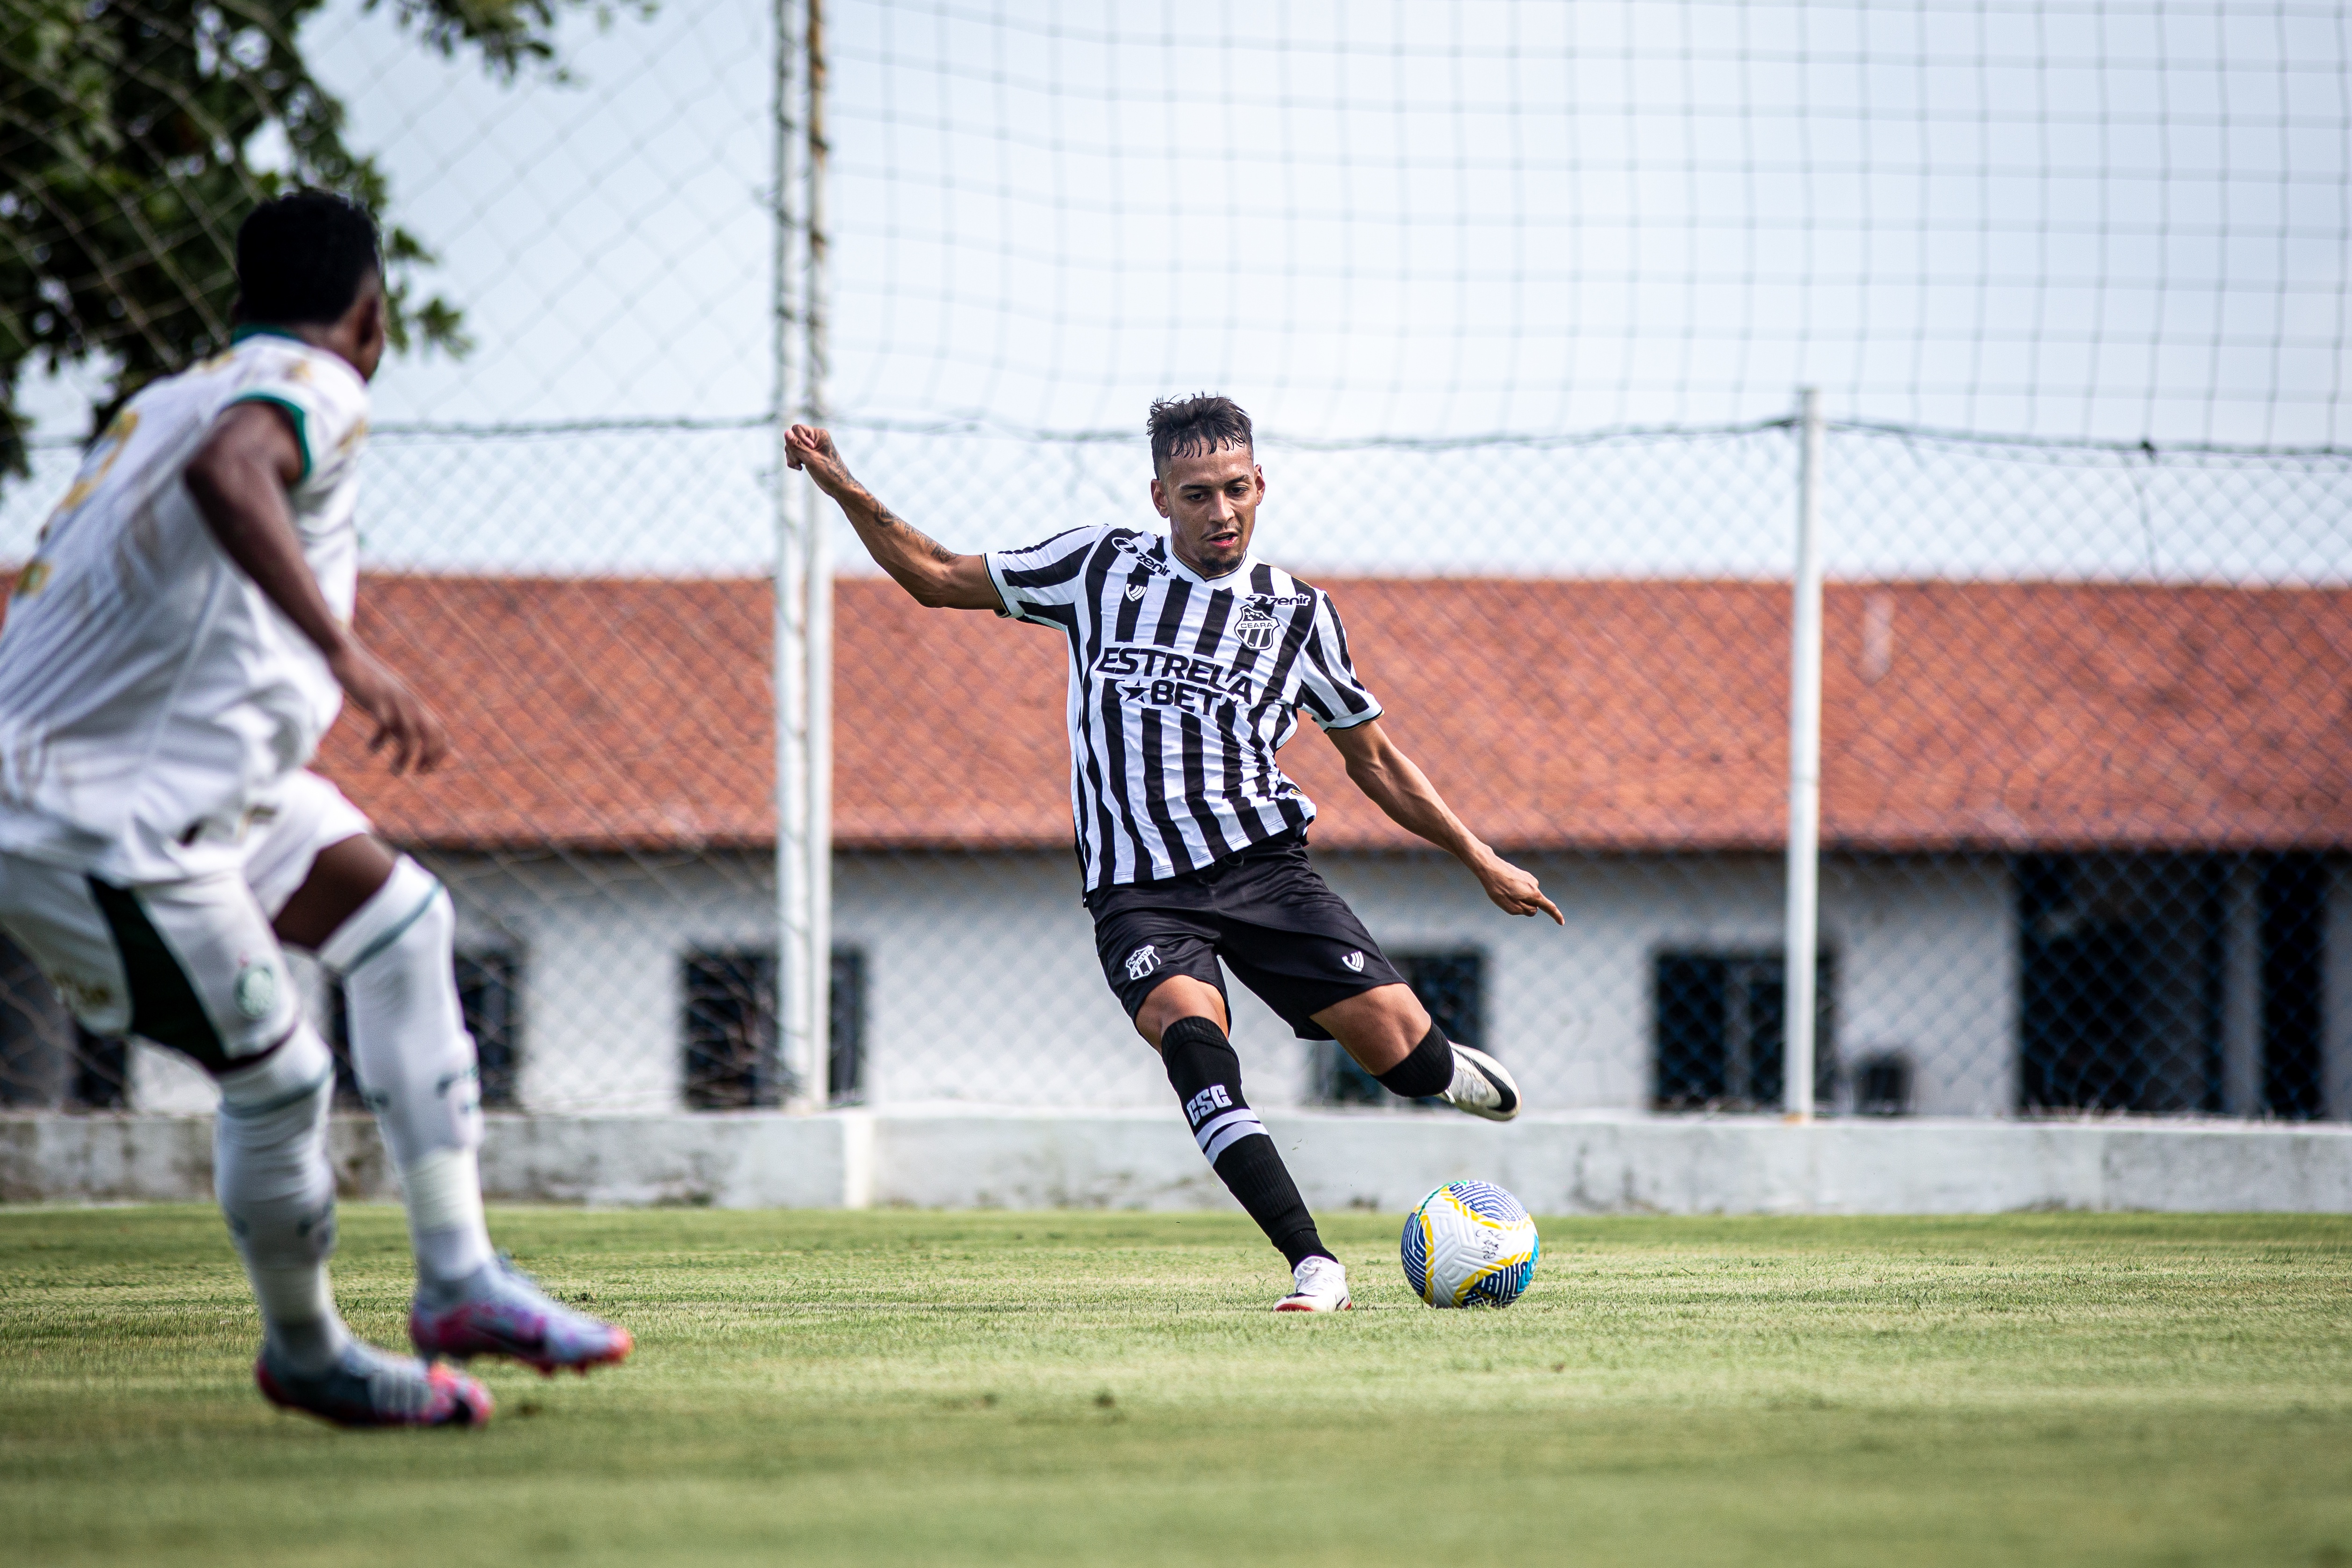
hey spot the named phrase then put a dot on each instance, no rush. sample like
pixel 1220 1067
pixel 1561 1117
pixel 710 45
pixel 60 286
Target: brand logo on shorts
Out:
pixel 1142 960
pixel 1354 961
pixel 1256 628
pixel 255 990
pixel 1136 592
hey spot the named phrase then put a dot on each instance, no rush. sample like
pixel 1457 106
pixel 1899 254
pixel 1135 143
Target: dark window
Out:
pixel 2122 970
pixel 489 995
pixel 730 1032
pixel 489 990
pixel 731 1057
pixel 1722 1030
pixel 845 1073
pixel 1452 986
pixel 2293 936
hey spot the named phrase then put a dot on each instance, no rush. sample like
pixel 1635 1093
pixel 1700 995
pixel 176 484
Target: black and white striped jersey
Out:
pixel 1181 688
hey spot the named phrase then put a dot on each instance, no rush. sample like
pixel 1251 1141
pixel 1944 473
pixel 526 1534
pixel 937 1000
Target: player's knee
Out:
pixel 1174 1000
pixel 406 918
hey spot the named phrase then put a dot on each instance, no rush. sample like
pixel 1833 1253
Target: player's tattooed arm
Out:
pixel 1395 784
pixel 926 569
pixel 240 478
pixel 917 539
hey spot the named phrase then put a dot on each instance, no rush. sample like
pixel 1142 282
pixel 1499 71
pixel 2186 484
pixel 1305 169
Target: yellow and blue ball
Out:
pixel 1469 1244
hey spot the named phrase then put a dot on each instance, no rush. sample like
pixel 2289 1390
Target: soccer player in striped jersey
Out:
pixel 1189 662
pixel 175 651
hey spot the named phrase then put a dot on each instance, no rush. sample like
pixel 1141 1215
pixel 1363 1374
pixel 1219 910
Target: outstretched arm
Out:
pixel 1397 786
pixel 929 569
pixel 240 478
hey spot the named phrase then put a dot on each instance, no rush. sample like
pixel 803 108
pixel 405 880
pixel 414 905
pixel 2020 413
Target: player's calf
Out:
pixel 416 1063
pixel 1467 1079
pixel 1206 1074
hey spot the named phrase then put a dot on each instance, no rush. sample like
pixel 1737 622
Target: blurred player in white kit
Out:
pixel 172 655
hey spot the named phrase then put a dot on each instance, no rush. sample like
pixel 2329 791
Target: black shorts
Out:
pixel 1264 910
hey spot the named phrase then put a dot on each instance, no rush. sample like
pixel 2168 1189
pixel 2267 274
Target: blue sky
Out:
pixel 1368 222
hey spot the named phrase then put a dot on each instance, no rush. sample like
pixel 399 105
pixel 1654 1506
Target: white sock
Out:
pixel 416 1063
pixel 278 1191
pixel 444 1193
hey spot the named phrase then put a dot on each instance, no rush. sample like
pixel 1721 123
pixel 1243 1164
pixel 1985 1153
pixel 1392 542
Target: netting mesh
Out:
pixel 1520 295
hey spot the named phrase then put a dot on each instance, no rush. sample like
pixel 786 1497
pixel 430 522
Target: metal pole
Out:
pixel 795 895
pixel 818 578
pixel 1804 776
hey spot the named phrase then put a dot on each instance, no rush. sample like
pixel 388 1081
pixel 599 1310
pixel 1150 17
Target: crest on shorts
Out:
pixel 256 991
pixel 1256 628
pixel 1142 960
pixel 1354 961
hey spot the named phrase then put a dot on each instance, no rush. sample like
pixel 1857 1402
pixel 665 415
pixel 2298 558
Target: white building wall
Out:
pixel 600 941
pixel 1927 969
pixel 983 986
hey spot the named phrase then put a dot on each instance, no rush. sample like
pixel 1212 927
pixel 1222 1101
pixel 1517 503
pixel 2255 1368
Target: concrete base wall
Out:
pixel 957 1157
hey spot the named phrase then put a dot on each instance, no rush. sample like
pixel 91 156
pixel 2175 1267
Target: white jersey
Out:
pixel 1182 689
pixel 152 699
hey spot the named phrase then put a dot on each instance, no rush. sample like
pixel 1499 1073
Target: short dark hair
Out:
pixel 302 257
pixel 1187 427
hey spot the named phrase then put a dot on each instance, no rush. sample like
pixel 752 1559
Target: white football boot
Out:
pixel 1322 1287
pixel 1481 1086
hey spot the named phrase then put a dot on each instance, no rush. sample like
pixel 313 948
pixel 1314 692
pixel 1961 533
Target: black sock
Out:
pixel 1428 1070
pixel 1207 1076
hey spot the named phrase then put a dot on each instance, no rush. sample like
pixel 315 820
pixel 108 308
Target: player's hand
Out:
pixel 1516 893
pixel 415 732
pixel 806 447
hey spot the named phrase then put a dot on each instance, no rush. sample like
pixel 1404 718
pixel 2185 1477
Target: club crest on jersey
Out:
pixel 1354 961
pixel 1255 629
pixel 1142 960
pixel 1136 592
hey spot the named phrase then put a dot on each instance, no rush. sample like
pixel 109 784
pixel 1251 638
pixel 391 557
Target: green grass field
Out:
pixel 823 1388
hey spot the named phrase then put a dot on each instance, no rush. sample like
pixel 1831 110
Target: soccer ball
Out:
pixel 1470 1244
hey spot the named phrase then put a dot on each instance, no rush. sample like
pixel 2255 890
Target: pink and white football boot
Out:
pixel 1321 1287
pixel 365 1386
pixel 501 1311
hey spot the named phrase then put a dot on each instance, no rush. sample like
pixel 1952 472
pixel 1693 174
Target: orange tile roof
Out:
pixel 633 714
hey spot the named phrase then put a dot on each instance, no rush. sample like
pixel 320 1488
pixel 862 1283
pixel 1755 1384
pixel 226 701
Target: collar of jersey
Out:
pixel 1235 578
pixel 262 330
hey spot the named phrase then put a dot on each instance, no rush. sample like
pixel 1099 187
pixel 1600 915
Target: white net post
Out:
pixel 803 583
pixel 1804 771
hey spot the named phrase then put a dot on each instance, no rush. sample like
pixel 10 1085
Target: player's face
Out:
pixel 1210 501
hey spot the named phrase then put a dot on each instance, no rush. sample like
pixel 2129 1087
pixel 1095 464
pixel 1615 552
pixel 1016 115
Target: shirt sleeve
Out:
pixel 1328 684
pixel 1034 582
pixel 326 403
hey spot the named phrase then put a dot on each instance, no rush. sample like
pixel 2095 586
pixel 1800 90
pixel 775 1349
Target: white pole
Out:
pixel 796 894
pixel 1804 776
pixel 817 577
